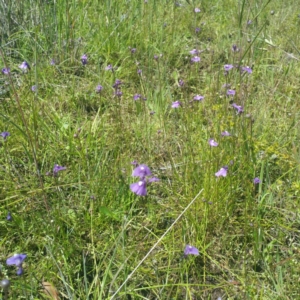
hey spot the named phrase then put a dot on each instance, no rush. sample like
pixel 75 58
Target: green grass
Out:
pixel 84 231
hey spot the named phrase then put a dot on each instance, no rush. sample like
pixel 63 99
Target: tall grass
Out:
pixel 84 230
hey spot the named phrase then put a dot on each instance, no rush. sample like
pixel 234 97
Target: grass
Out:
pixel 85 233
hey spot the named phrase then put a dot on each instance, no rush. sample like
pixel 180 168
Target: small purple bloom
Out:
pixel 139 188
pixel 249 22
pixel 197 29
pixel 117 83
pixel 176 104
pixel 228 67
pixel 139 71
pixel 247 69
pixel 24 66
pixel 195 59
pixel 99 88
pixel 213 143
pixel 137 97
pixel 197 10
pixel 52 62
pixel 58 168
pixel 153 179
pixel 5 71
pixel 191 250
pixel 132 50
pixel 118 93
pixel 235 48
pixel 198 98
pixel 230 92
pixel 109 67
pixel 141 171
pixel 225 133
pixel 17 260
pixel 181 82
pixel 222 172
pixel 256 180
pixel 194 52
pixel 34 88
pixel 84 59
pixel 5 134
pixel 9 217
pixel 239 109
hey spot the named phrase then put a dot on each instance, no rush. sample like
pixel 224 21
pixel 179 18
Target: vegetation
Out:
pixel 205 94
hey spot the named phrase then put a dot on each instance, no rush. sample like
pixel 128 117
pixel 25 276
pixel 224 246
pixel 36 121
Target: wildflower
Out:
pixel 194 52
pixel 132 50
pixel 176 104
pixel 181 82
pixel 118 93
pixel 139 188
pixel 230 92
pixel 141 171
pixel 153 179
pixel 5 71
pixel 228 67
pixel 58 168
pixel 17 260
pixel 109 67
pixel 34 88
pixel 136 96
pixel 195 59
pixel 213 143
pixel 197 10
pixel 249 22
pixel 190 250
pixel 155 57
pixel 139 71
pixel 24 66
pixel 99 88
pixel 198 98
pixel 5 134
pixel 256 180
pixel 235 48
pixel 135 163
pixel 197 29
pixel 117 83
pixel 52 62
pixel 247 69
pixel 84 59
pixel 239 108
pixel 9 217
pixel 222 172
pixel 225 133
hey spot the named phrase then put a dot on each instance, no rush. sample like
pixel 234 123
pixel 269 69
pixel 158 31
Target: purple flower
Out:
pixel 235 48
pixel 249 22
pixel 190 250
pixel 139 71
pixel 137 96
pixel 228 67
pixel 34 88
pixel 256 180
pixel 24 66
pixel 239 109
pixel 230 92
pixel 197 10
pixel 176 104
pixel 247 69
pixel 117 83
pixel 118 93
pixel 58 168
pixel 153 179
pixel 5 134
pixel 225 133
pixel 99 88
pixel 132 50
pixel 17 260
pixel 198 98
pixel 84 59
pixel 195 59
pixel 197 29
pixel 181 82
pixel 141 171
pixel 213 143
pixel 194 52
pixel 9 217
pixel 139 188
pixel 5 71
pixel 222 172
pixel 109 67
pixel 52 62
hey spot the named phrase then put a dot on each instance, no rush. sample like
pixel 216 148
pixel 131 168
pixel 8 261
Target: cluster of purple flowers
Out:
pixel 17 260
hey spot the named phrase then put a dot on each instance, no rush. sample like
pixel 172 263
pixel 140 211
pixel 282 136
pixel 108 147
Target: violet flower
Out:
pixel 58 168
pixel 194 52
pixel 118 93
pixel 84 59
pixel 9 217
pixel 137 97
pixel 24 66
pixel 239 109
pixel 195 59
pixel 5 71
pixel 117 83
pixel 176 104
pixel 132 50
pixel 190 250
pixel 34 88
pixel 256 180
pixel 139 71
pixel 17 260
pixel 235 48
pixel 109 68
pixel 198 98
pixel 52 62
pixel 197 29
pixel 197 10
pixel 230 92
pixel 213 143
pixel 141 171
pixel 222 172
pixel 247 69
pixel 99 88
pixel 228 67
pixel 5 134
pixel 225 133
pixel 139 188
pixel 181 82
